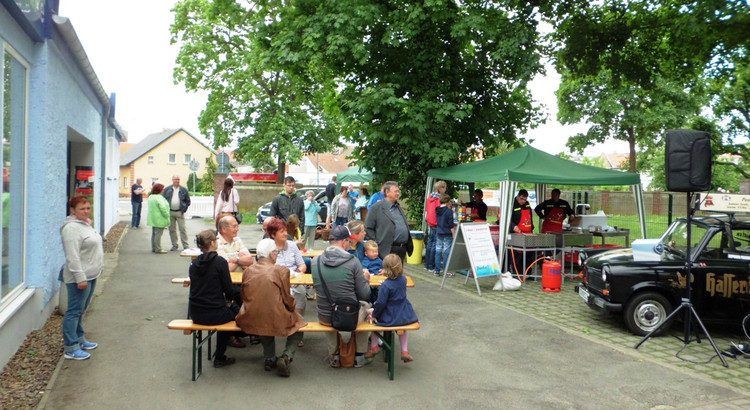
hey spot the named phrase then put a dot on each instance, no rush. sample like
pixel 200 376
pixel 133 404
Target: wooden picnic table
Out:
pixel 192 254
pixel 304 279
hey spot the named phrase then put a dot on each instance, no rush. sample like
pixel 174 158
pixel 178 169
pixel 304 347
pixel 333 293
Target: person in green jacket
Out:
pixel 158 216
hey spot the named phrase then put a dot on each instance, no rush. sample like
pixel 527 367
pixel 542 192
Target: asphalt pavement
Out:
pixel 470 353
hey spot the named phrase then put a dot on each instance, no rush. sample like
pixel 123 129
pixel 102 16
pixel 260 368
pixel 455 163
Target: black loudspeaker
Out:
pixel 688 161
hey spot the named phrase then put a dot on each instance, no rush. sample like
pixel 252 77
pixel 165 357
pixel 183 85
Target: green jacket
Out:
pixel 158 211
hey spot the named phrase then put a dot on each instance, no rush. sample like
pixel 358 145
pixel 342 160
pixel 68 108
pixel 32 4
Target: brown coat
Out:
pixel 267 306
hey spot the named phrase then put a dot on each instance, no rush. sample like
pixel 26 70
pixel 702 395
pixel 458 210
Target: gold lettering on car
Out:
pixel 680 282
pixel 726 285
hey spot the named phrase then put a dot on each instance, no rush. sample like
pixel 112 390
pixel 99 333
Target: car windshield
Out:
pixel 675 239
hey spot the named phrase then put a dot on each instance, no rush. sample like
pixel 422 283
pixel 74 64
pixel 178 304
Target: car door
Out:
pixel 721 287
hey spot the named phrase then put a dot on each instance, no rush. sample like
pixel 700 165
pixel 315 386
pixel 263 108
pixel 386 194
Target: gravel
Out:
pixel 24 379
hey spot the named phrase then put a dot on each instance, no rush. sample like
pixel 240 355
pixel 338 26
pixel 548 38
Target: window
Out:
pixel 187 159
pixel 150 159
pixel 172 159
pixel 13 103
pixel 125 183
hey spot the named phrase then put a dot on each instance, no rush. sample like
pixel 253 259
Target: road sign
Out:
pixel 194 165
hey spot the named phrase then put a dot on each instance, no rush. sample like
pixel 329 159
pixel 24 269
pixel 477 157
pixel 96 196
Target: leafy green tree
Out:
pixel 645 41
pixel 207 180
pixel 420 85
pixel 623 111
pixel 652 42
pixel 273 115
pixel 731 105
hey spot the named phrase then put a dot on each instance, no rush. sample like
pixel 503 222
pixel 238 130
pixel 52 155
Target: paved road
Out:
pixel 469 353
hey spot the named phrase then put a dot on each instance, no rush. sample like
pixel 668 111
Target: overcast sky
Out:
pixel 127 43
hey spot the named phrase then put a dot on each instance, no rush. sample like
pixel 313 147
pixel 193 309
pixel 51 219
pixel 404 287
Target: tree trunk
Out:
pixel 282 170
pixel 631 144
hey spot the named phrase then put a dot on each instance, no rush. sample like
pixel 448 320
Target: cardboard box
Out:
pixel 644 250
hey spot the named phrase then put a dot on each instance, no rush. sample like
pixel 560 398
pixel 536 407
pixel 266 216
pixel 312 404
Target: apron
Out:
pixel 525 225
pixel 554 220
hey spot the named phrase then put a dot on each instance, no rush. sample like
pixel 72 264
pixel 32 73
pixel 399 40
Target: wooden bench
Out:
pixel 385 334
pixel 304 279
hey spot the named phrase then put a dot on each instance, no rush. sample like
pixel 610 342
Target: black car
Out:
pixel 320 197
pixel 646 291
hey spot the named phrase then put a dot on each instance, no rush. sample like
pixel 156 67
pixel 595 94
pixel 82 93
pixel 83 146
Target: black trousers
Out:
pixel 399 250
pixel 215 317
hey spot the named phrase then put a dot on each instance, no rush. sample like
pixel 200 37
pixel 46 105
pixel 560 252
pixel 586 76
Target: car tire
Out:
pixel 646 311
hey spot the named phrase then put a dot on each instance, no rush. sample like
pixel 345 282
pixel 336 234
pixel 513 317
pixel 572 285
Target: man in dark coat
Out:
pixel 331 190
pixel 288 203
pixel 386 224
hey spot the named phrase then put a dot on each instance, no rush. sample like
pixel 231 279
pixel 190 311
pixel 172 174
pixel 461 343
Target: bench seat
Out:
pixel 384 333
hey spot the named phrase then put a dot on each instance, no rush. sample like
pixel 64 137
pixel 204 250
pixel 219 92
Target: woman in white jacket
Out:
pixel 84 262
pixel 228 201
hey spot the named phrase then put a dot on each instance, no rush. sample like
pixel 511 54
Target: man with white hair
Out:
pixel 268 308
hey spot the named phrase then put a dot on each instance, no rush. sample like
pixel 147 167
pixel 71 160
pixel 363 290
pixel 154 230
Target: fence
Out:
pixel 661 208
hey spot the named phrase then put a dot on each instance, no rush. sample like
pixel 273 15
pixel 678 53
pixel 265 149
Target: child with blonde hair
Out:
pixel 372 261
pixel 392 307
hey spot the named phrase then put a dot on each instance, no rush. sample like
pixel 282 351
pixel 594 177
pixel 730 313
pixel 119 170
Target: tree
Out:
pixel 649 43
pixel 623 111
pixel 207 180
pixel 420 85
pixel 731 105
pixel 273 114
pixel 643 41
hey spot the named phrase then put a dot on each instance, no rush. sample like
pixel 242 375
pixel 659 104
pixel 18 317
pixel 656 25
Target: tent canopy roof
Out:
pixel 354 174
pixel 528 164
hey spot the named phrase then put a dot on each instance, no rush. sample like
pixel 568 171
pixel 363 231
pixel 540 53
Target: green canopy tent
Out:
pixel 354 174
pixel 530 165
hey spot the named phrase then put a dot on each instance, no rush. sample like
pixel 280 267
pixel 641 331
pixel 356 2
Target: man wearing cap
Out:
pixel 268 308
pixel 343 274
pixel 386 224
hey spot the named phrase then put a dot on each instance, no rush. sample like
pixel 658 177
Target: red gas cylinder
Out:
pixel 551 276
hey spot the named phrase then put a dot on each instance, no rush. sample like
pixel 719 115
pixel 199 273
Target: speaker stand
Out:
pixel 685 303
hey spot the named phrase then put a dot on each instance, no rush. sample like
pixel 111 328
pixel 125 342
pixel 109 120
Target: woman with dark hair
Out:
pixel 158 216
pixel 210 290
pixel 341 210
pixel 228 201
pixel 360 207
pixel 84 261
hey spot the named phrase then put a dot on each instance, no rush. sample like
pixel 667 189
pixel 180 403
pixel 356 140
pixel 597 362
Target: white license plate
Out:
pixel 584 294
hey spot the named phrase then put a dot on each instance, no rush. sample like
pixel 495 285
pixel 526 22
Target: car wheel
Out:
pixel 646 311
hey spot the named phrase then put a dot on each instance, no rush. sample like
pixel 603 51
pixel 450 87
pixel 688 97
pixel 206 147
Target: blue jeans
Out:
pixel 340 220
pixel 78 301
pixel 429 256
pixel 136 214
pixel 442 250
